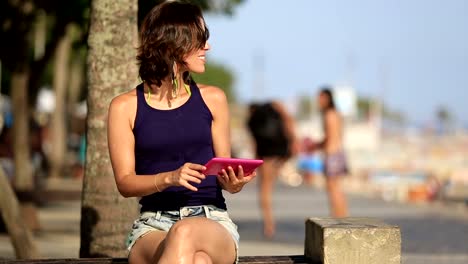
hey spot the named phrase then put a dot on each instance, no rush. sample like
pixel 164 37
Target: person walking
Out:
pixel 272 129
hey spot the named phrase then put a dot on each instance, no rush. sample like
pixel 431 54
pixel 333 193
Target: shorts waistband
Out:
pixel 182 212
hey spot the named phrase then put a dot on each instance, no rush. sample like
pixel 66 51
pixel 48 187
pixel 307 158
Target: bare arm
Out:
pixel 330 125
pixel 121 143
pixel 220 129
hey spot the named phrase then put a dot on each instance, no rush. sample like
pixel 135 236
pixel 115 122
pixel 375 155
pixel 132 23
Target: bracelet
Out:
pixel 155 184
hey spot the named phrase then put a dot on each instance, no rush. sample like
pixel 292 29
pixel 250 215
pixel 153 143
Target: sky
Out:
pixel 411 53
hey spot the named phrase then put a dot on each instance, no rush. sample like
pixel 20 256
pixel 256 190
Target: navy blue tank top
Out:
pixel 165 140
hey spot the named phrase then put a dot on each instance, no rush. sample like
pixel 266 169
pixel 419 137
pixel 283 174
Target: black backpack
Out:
pixel 265 123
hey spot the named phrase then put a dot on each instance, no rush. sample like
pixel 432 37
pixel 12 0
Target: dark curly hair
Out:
pixel 169 32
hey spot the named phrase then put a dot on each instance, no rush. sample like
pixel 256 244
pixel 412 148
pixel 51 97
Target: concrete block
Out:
pixel 352 241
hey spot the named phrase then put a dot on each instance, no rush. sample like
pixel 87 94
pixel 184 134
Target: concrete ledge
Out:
pixel 328 241
pixel 352 241
pixel 244 260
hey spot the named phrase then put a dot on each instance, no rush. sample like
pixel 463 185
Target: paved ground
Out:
pixel 434 234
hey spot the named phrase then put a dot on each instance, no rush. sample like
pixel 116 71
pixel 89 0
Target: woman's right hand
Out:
pixel 189 172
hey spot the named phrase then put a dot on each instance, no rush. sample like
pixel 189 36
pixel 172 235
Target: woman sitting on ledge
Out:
pixel 160 135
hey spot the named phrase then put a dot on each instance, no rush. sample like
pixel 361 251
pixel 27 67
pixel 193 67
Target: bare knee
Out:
pixel 201 257
pixel 181 229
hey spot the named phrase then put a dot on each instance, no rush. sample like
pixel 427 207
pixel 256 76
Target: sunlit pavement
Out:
pixel 431 233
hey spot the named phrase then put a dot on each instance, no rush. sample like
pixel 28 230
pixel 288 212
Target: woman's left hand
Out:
pixel 234 183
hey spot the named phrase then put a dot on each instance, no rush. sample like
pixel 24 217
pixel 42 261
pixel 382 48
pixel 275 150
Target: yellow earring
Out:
pixel 175 81
pixel 175 87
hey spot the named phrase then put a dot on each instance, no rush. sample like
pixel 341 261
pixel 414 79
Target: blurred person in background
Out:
pixel 6 146
pixel 309 161
pixel 272 128
pixel 335 165
pixel 36 141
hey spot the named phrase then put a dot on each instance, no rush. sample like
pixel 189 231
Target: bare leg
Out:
pixel 308 178
pixel 336 197
pixel 188 242
pixel 148 249
pixel 268 173
pixel 202 258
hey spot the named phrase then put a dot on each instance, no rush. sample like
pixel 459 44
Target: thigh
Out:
pixel 148 248
pixel 218 245
pixel 270 167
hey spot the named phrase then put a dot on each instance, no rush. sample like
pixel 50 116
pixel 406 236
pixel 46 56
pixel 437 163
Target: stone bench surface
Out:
pixel 245 260
pixel 352 241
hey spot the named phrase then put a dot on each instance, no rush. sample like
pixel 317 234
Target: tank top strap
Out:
pixel 198 99
pixel 195 90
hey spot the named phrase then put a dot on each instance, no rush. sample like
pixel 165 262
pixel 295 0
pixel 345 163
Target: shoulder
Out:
pixel 212 95
pixel 280 109
pixel 123 103
pixel 332 115
pixel 278 106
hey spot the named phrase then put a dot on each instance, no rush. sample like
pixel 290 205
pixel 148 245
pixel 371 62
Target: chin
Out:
pixel 198 71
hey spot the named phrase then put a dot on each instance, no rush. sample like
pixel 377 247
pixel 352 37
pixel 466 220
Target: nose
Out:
pixel 207 46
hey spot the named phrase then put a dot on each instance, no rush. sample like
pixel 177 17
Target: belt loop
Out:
pixel 158 215
pixel 182 213
pixel 207 211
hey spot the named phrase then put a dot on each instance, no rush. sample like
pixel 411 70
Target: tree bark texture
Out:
pixel 106 216
pixel 19 233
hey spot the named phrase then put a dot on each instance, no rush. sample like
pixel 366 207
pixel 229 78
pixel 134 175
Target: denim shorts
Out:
pixel 163 221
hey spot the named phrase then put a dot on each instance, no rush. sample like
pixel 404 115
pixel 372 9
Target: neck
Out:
pixel 159 92
pixel 165 92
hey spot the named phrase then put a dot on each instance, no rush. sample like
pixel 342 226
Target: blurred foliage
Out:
pixel 306 107
pixel 443 115
pixel 445 119
pixel 395 116
pixel 215 6
pixel 366 105
pixel 217 75
pixel 18 20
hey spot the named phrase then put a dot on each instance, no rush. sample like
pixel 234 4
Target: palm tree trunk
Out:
pixel 23 177
pixel 19 95
pixel 20 235
pixel 76 81
pixel 58 125
pixel 106 216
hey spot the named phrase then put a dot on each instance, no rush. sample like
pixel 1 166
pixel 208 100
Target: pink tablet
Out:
pixel 215 165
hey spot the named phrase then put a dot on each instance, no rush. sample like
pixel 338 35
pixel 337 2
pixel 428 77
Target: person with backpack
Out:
pixel 272 129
